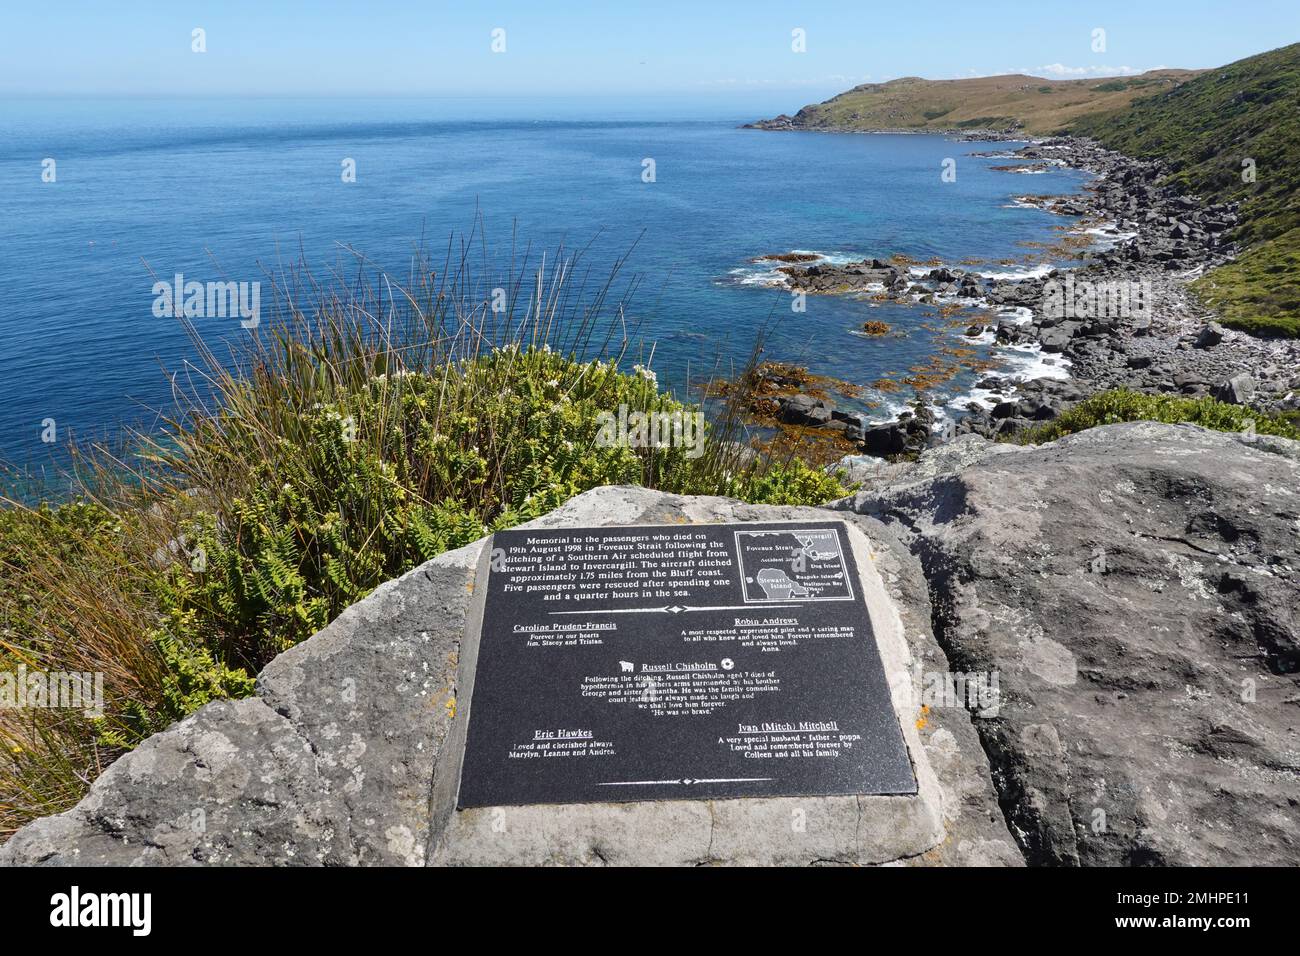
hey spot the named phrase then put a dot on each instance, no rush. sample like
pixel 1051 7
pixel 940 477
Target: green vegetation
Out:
pixel 1260 291
pixel 1131 83
pixel 987 122
pixel 334 453
pixel 1122 405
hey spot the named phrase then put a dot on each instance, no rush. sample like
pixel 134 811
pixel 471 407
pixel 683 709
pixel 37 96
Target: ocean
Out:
pixel 226 189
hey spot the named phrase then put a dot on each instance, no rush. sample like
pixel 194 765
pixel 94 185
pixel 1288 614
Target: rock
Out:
pixel 804 410
pixel 330 763
pixel 1138 361
pixel 1209 336
pixel 908 435
pixel 1238 390
pixel 849 418
pixel 945 459
pixel 1056 339
pixel 238 769
pixel 1039 410
pixel 1137 589
pixel 884 440
pixel 338 758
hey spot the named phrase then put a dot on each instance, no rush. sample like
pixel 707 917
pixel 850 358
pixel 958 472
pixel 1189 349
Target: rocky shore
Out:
pixel 1124 317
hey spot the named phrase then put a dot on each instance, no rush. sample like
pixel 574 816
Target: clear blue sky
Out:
pixel 620 47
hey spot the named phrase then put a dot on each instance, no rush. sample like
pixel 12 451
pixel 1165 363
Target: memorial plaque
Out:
pixel 675 662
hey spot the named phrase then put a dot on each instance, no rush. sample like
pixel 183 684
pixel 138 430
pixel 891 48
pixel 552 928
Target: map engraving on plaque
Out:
pixel 813 569
pixel 678 662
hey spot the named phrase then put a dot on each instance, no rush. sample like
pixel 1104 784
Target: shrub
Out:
pixel 1121 405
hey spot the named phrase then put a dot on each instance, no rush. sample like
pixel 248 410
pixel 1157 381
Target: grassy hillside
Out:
pixel 1260 291
pixel 989 102
pixel 1205 130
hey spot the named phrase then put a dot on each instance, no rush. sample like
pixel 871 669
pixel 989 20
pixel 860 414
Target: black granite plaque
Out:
pixel 678 662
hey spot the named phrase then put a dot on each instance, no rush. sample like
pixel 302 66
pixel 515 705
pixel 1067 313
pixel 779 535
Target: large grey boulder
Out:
pixel 1238 390
pixel 342 756
pixel 330 763
pixel 1137 589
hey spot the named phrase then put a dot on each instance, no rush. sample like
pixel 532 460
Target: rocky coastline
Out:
pixel 1123 318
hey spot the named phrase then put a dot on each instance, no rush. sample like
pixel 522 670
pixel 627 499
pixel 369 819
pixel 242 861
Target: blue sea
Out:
pixel 226 189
